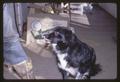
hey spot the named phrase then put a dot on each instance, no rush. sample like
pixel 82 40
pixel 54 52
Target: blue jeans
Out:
pixel 13 51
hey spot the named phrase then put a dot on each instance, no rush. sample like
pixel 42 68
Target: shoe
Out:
pixel 23 70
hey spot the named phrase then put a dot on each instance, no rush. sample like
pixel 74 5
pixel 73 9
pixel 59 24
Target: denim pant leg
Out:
pixel 13 52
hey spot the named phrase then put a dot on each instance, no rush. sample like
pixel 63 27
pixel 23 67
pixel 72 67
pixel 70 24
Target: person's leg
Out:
pixel 17 60
pixel 15 57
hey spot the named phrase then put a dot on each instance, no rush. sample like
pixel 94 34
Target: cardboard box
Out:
pixel 47 21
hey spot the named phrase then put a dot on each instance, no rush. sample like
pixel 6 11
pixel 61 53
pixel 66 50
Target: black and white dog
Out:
pixel 74 57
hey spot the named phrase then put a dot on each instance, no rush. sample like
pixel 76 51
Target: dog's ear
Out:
pixel 68 35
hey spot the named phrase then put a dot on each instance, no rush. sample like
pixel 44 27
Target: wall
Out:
pixel 110 8
pixel 21 15
pixel 25 11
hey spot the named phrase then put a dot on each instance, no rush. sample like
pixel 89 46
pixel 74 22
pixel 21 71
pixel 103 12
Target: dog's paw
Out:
pixel 78 76
pixel 85 76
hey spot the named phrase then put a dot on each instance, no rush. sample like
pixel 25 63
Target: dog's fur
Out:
pixel 74 57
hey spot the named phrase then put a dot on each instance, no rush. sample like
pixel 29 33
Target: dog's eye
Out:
pixel 51 35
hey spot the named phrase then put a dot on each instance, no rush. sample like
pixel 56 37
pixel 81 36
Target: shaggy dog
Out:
pixel 74 58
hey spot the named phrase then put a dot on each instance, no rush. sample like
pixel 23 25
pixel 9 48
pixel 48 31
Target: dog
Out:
pixel 74 57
